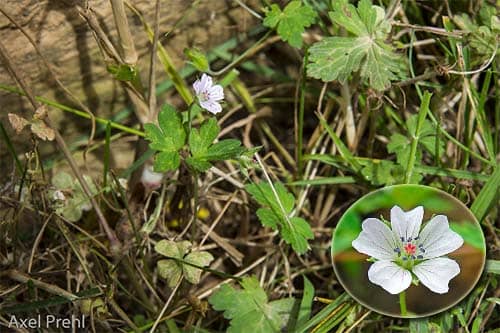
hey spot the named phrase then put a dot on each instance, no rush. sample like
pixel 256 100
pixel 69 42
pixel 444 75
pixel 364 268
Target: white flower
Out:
pixel 404 251
pixel 208 94
pixel 151 179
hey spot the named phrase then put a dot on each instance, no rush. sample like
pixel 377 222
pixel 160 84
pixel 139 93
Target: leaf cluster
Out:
pixel 169 139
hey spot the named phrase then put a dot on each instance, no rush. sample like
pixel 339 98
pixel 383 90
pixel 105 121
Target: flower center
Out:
pixel 409 251
pixel 204 96
pixel 410 248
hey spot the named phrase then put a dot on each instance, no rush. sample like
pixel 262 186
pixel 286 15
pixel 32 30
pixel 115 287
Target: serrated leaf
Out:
pixel 250 305
pixel 224 150
pixel 167 138
pixel 294 230
pixel 198 164
pixel 199 141
pixel 198 258
pixel 170 135
pixel 268 218
pixel 297 234
pixel 203 151
pixel 166 160
pixel 170 122
pixel 291 22
pixel 336 58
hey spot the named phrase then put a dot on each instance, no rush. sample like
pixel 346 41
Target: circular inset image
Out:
pixel 408 251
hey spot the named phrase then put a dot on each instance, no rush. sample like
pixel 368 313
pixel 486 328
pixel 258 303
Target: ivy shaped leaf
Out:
pixel 172 270
pixel 276 214
pixel 336 58
pixel 203 151
pixel 249 309
pixel 290 22
pixel 168 138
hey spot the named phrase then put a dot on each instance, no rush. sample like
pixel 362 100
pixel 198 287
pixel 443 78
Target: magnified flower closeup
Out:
pixel 404 254
pixel 208 94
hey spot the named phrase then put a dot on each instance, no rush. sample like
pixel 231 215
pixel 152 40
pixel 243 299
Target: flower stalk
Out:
pixel 402 303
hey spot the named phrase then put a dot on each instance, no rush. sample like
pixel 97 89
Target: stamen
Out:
pixel 402 239
pixel 420 256
pixel 397 249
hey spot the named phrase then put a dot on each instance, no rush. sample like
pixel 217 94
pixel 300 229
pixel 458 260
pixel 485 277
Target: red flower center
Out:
pixel 410 248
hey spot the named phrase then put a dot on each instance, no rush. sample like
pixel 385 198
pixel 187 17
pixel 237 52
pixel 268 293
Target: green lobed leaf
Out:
pixel 167 138
pixel 224 150
pixel 294 230
pixel 248 309
pixel 166 160
pixel 336 58
pixel 203 151
pixel 291 22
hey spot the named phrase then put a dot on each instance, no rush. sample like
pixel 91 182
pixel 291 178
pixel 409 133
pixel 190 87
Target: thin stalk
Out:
pixel 424 108
pixel 402 303
pixel 300 125
pixel 79 113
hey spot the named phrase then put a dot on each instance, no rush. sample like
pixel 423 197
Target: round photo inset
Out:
pixel 408 251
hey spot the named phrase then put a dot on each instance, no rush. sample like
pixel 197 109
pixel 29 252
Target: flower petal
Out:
pixel 376 240
pixel 389 276
pixel 406 224
pixel 211 106
pixel 216 93
pixel 202 84
pixel 436 273
pixel 438 239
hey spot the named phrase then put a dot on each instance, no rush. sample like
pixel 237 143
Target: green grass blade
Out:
pixel 487 197
pixel 344 151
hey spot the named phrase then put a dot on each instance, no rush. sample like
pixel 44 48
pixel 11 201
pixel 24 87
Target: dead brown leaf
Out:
pixel 40 129
pixel 17 123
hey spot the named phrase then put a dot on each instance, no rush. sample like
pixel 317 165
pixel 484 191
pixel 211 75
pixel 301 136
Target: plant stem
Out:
pixel 402 303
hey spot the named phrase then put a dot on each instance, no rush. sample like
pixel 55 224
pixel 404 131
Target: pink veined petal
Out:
pixel 216 93
pixel 376 240
pixel 436 273
pixel 197 87
pixel 406 225
pixel 211 106
pixel 389 276
pixel 437 239
pixel 206 82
